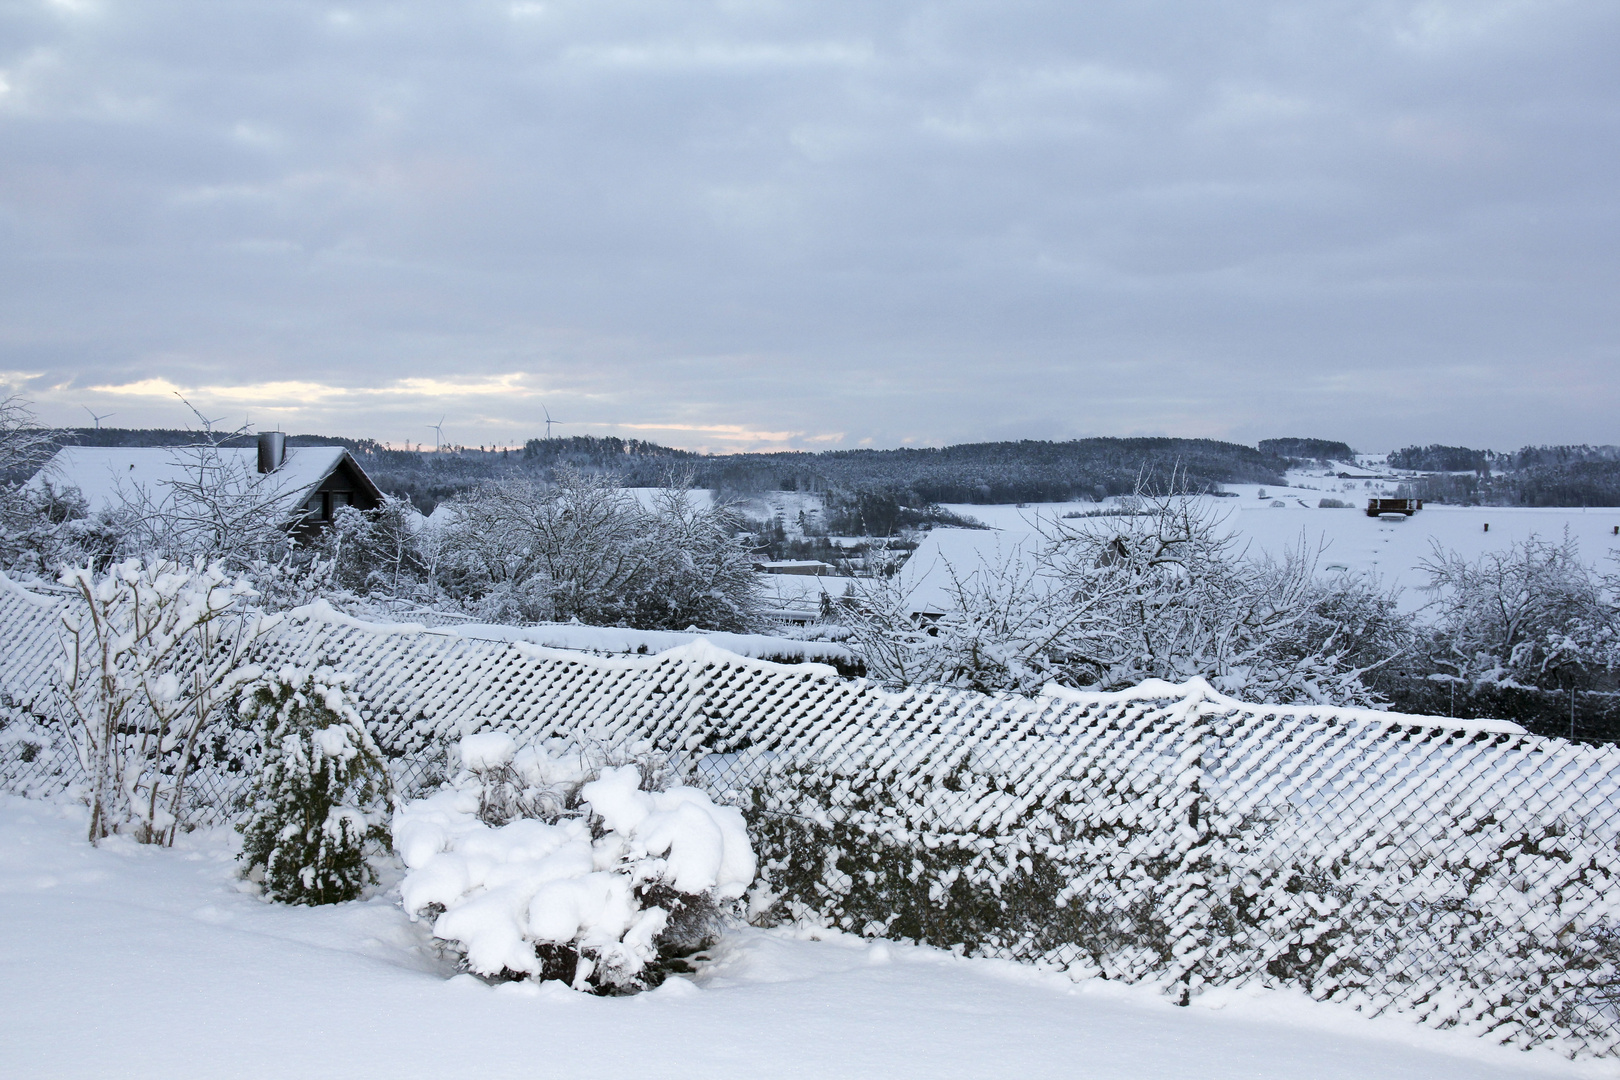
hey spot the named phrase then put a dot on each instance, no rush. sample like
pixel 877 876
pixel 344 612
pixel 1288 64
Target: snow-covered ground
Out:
pixel 137 962
pixel 1349 538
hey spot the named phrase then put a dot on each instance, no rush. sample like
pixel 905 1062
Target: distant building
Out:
pixel 1379 507
pixel 305 484
pixel 803 567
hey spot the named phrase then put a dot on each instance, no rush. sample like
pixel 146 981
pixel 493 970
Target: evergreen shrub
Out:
pixel 319 799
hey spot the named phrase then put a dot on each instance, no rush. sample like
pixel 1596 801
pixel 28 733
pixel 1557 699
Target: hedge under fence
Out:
pixel 1455 875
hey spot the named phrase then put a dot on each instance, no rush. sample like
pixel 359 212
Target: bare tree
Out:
pixel 1532 614
pixel 518 550
pixel 583 548
pixel 150 651
pixel 24 445
pixel 1161 592
pixel 24 523
pixel 374 551
pixel 700 573
pixel 1009 622
pixel 214 506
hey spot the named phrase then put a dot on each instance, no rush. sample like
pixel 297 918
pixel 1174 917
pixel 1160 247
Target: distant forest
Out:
pixel 1322 450
pixel 885 488
pixel 861 481
pixel 1533 476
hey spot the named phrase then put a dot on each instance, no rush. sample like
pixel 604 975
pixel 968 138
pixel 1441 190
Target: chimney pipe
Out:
pixel 272 450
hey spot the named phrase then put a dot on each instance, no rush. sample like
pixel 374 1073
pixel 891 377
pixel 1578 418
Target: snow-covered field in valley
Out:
pixel 139 962
pixel 1347 539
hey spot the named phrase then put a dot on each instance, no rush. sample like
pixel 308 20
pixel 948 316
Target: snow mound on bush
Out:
pixel 489 750
pixel 596 865
pixel 704 846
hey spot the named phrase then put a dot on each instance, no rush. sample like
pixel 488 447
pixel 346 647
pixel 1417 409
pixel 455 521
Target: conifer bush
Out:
pixel 319 799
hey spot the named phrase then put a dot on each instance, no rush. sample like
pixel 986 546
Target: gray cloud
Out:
pixel 779 223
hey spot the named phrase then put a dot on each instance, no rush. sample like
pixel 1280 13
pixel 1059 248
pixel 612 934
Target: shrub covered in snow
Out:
pixel 539 865
pixel 149 651
pixel 1104 603
pixel 320 793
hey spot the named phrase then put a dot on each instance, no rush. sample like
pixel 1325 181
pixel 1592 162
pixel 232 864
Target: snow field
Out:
pixel 139 962
pixel 1348 539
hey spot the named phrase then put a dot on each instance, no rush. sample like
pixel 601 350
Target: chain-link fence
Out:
pixel 1463 876
pixel 1460 872
pixel 37 762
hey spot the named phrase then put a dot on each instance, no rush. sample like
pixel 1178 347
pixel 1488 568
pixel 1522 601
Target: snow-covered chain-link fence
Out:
pixel 1460 872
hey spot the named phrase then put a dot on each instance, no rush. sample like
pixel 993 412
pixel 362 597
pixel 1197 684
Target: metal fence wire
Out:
pixel 1459 872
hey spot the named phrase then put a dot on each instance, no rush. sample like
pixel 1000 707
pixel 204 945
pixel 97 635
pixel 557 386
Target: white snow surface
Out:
pixel 1349 539
pixel 139 962
pixel 603 641
pixel 611 640
pixel 488 750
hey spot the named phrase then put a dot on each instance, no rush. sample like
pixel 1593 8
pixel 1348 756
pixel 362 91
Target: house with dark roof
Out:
pixel 305 485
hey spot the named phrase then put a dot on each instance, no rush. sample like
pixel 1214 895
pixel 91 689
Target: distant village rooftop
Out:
pixel 804 567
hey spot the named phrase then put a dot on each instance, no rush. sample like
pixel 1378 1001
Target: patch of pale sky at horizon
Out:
pixel 766 225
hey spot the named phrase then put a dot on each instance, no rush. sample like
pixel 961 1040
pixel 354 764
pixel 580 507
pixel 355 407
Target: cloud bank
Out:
pixel 749 224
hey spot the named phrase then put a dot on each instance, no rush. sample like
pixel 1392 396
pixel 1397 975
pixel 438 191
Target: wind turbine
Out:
pixel 550 421
pixel 208 425
pixel 438 433
pixel 97 419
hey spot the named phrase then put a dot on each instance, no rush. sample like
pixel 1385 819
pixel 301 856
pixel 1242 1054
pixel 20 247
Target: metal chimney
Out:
pixel 272 450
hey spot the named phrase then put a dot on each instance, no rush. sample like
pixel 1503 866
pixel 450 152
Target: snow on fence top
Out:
pixel 615 640
pixel 1463 871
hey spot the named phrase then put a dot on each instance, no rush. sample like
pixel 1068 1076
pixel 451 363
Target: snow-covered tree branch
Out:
pixel 586 549
pixel 1107 602
pixel 216 507
pixel 1532 614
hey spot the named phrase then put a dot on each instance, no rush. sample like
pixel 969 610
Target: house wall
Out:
pixel 341 488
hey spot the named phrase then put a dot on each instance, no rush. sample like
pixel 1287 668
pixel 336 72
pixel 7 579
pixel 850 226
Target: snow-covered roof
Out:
pixel 947 555
pixel 795 591
pixel 108 476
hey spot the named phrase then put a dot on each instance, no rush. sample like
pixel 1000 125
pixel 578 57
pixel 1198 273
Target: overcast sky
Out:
pixel 744 225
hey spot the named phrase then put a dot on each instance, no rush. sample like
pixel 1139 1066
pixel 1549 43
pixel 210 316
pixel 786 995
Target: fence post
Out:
pixel 1187 895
